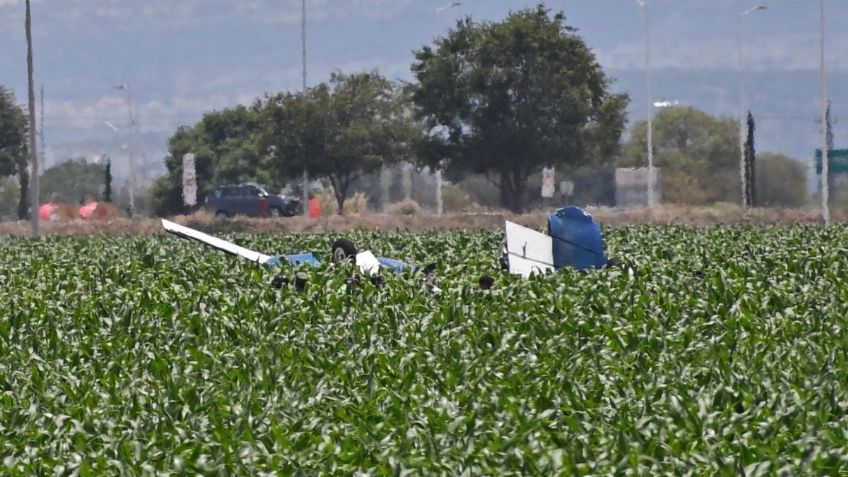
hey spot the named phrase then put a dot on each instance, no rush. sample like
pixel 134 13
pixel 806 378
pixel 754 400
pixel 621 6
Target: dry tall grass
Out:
pixel 355 204
pixel 608 217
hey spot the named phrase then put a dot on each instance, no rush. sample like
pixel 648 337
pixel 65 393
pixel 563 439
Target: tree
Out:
pixel 9 194
pixel 72 181
pixel 750 157
pixel 13 147
pixel 337 131
pixel 509 98
pixel 107 181
pixel 780 181
pixel 13 130
pixel 698 154
pixel 224 146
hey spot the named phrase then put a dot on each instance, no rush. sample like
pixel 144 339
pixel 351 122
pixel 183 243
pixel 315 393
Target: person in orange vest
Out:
pixel 263 206
pixel 314 207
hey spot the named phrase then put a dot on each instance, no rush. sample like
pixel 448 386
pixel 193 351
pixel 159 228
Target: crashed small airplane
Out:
pixel 573 240
pixel 343 249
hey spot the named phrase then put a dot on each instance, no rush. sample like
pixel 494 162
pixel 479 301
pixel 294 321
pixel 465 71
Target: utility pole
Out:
pixel 439 200
pixel 742 175
pixel 42 144
pixel 825 167
pixel 303 42
pixel 128 88
pixel 650 101
pixel 32 127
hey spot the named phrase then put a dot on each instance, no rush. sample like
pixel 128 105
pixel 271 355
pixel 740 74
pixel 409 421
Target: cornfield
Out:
pixel 714 351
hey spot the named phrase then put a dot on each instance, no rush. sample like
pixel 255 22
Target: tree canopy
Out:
pixel 698 154
pixel 337 131
pixel 780 181
pixel 72 181
pixel 224 146
pixel 511 97
pixel 13 146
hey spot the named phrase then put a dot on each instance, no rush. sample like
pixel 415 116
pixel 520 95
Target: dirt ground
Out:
pixel 609 217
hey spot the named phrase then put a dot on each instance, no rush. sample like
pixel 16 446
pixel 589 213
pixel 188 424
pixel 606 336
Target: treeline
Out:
pixel 498 100
pixel 503 99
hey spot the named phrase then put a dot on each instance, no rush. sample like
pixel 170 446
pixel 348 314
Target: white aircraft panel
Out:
pixel 525 268
pixel 529 251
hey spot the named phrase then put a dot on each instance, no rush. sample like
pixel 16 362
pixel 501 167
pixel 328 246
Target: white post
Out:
pixel 385 184
pixel 825 166
pixel 439 203
pixel 407 181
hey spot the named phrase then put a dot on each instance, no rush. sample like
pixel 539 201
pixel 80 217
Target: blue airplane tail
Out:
pixel 577 241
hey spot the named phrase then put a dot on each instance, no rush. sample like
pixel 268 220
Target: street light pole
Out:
pixel 742 177
pixel 129 145
pixel 34 209
pixel 305 184
pixel 439 200
pixel 825 166
pixel 649 106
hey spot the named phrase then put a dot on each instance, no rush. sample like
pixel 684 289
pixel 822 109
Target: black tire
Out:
pixel 221 215
pixel 343 249
pixel 275 212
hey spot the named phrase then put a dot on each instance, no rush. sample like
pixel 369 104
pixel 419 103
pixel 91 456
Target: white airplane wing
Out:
pixel 223 245
pixel 528 251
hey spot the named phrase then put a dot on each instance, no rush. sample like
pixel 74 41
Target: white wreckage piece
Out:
pixel 527 250
pixel 366 261
pixel 222 245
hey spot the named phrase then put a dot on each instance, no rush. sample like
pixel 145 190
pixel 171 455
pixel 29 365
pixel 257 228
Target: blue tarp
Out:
pixel 577 239
pixel 394 265
pixel 303 259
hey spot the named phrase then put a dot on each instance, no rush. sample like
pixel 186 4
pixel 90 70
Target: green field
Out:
pixel 724 352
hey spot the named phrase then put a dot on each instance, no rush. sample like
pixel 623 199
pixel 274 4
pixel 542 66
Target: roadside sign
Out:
pixel 837 160
pixel 548 182
pixel 189 181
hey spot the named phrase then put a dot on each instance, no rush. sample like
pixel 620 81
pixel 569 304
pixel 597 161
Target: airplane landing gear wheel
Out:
pixel 343 249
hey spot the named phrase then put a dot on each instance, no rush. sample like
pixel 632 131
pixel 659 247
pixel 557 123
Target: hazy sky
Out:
pixel 183 57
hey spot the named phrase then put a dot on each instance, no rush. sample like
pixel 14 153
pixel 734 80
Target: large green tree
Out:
pixel 13 147
pixel 508 98
pixel 698 154
pixel 338 131
pixel 224 146
pixel 72 181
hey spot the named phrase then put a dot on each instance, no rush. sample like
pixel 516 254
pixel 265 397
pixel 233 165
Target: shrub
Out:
pixel 405 207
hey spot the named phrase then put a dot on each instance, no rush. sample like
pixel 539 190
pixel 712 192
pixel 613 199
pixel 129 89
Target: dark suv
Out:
pixel 247 199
